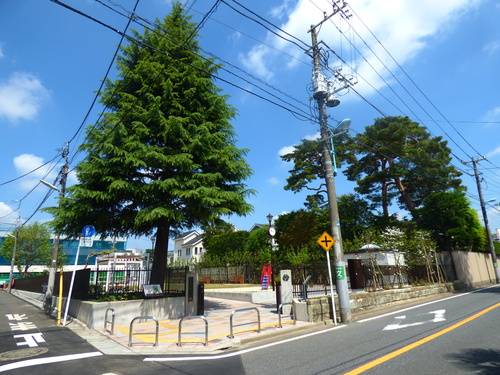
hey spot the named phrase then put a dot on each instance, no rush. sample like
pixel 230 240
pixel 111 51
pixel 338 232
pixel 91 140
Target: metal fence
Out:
pixel 224 275
pixel 122 281
pixel 314 280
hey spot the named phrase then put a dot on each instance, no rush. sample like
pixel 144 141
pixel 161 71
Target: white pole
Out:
pixel 331 287
pixel 72 282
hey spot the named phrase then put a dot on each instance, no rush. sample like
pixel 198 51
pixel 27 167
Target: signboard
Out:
pixel 325 241
pixel 340 272
pixel 86 241
pixel 88 231
pixel 152 290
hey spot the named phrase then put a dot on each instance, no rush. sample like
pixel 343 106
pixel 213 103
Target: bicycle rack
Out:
pixel 279 313
pixel 112 322
pixel 143 333
pixel 245 309
pixel 179 342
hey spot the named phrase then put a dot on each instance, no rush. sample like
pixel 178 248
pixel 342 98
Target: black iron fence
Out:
pixel 128 281
pixel 309 281
pixel 226 275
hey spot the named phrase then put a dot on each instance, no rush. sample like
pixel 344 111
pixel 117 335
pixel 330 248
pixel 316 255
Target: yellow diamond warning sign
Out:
pixel 326 241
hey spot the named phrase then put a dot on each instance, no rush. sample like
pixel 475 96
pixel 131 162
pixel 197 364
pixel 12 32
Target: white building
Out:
pixel 189 247
pixel 382 257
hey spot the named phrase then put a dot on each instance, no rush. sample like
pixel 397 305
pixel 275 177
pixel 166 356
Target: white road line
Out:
pixel 423 304
pixel 209 357
pixel 47 360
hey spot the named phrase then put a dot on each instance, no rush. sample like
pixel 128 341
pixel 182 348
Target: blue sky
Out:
pixel 436 62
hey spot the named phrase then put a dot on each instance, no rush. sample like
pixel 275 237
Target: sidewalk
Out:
pixel 217 313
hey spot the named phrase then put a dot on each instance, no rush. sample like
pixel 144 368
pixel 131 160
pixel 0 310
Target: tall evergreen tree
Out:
pixel 164 158
pixel 396 158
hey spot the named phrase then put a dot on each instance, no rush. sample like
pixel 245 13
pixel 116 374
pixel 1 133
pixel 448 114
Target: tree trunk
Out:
pixel 407 199
pixel 159 268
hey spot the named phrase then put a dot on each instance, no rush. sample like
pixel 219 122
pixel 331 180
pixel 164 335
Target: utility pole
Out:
pixel 13 260
pixel 55 250
pixel 485 219
pixel 323 94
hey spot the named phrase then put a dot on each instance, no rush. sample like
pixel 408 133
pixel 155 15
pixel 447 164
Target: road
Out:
pixel 456 335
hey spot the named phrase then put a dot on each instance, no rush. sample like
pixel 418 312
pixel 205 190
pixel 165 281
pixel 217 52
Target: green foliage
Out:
pixel 453 223
pixel 33 247
pixel 396 158
pixel 355 215
pixel 226 248
pixel 165 158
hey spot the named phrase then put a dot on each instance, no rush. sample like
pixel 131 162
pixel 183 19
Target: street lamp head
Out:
pixel 344 124
pixel 49 185
pixel 270 218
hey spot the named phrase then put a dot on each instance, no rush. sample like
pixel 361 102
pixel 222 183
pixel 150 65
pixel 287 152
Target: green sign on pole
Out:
pixel 340 272
pixel 495 264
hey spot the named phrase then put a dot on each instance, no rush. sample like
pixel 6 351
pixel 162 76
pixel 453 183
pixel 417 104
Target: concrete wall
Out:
pixel 93 313
pixel 473 269
pixel 319 309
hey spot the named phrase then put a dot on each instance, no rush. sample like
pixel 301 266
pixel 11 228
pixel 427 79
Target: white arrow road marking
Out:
pixel 398 325
pixel 438 317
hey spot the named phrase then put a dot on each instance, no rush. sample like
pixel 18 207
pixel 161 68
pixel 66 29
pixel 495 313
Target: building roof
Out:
pixel 194 241
pixel 185 234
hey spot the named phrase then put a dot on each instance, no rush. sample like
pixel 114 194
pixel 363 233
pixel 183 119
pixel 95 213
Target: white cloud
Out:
pixel 286 150
pixel 8 214
pixel 1 53
pixel 491 47
pixel 493 153
pixel 26 163
pixel 273 181
pixel 492 115
pixel 404 28
pixel 255 61
pixel 21 96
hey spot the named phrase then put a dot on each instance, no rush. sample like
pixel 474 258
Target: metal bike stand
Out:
pixel 179 342
pixel 245 309
pixel 279 313
pixel 143 333
pixel 112 321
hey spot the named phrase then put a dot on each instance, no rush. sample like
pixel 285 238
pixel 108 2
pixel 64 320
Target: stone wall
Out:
pixel 319 309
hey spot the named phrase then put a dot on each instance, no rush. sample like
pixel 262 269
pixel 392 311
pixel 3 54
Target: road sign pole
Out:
pixel 71 284
pixel 331 288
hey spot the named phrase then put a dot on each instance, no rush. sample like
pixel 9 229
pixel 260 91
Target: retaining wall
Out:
pixel 319 309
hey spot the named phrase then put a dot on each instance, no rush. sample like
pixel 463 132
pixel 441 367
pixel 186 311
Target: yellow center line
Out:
pixel 407 348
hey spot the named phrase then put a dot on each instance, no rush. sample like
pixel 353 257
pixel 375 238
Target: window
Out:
pixel 188 251
pixel 195 251
pixel 179 252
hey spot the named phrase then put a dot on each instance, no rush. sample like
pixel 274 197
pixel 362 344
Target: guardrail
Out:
pixel 143 333
pixel 279 313
pixel 179 342
pixel 238 310
pixel 112 322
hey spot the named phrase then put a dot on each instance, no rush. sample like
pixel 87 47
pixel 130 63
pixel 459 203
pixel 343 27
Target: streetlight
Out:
pixel 341 128
pixel 271 232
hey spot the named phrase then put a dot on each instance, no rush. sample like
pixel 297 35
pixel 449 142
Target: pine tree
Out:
pixel 164 159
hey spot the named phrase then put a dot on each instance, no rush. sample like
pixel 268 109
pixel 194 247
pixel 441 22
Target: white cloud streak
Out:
pixel 28 162
pixel 403 27
pixel 21 97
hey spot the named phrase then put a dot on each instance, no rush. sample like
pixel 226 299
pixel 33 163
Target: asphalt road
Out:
pixel 456 335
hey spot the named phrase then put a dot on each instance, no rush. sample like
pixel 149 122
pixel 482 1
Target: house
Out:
pixel 382 257
pixel 188 247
